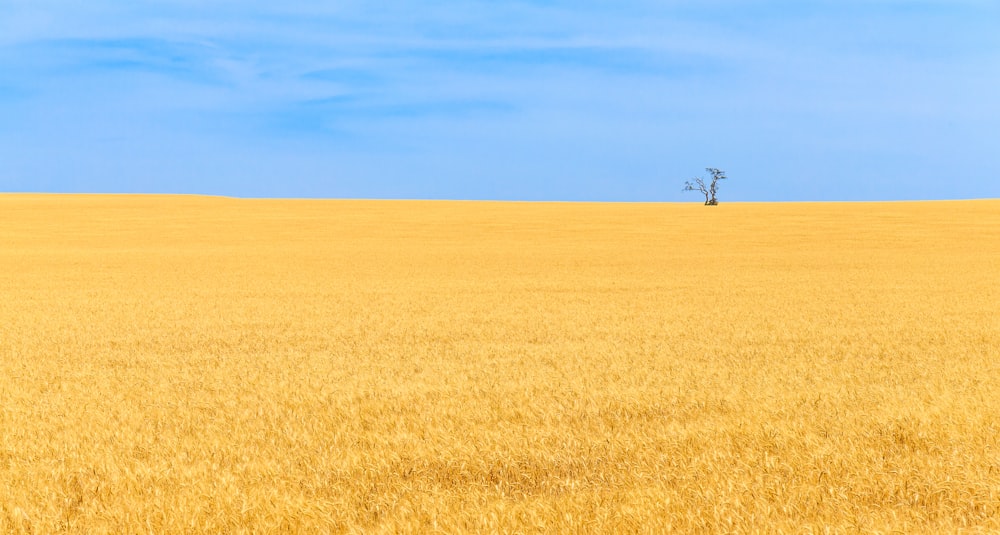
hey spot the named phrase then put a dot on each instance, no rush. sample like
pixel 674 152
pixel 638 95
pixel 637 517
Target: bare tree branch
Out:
pixel 710 192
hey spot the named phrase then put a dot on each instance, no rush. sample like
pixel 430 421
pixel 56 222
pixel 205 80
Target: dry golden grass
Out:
pixel 187 364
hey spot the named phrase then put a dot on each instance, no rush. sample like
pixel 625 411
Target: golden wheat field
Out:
pixel 181 364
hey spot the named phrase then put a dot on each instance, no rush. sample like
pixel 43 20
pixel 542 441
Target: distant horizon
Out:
pixel 425 199
pixel 529 100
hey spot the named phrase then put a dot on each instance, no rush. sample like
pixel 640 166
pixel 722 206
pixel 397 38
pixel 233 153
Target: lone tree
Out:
pixel 709 192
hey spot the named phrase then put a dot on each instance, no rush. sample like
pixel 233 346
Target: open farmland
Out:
pixel 174 364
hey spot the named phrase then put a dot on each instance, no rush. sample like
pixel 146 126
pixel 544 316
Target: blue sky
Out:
pixel 514 100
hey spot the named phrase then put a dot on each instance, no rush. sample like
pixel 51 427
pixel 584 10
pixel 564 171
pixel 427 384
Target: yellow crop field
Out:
pixel 180 364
